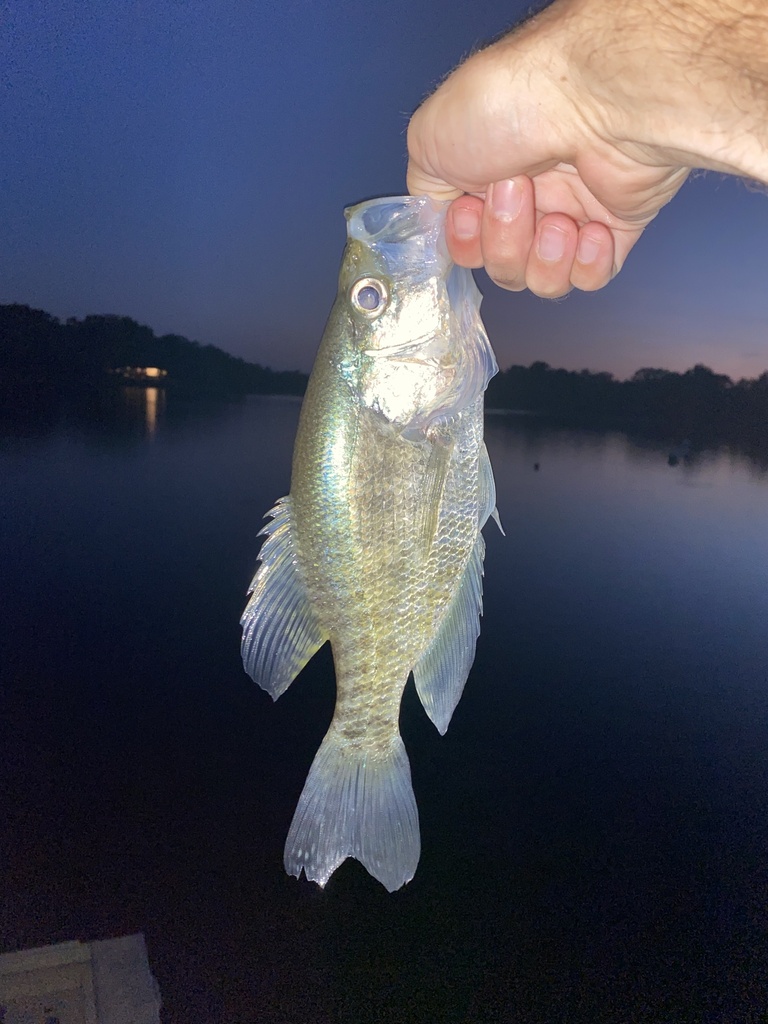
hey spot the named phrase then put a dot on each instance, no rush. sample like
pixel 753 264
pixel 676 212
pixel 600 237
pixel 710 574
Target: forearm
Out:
pixel 692 75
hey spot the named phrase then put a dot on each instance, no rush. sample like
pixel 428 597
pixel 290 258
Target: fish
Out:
pixel 378 548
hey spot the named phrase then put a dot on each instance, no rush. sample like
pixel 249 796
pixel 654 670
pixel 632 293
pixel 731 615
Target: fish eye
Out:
pixel 369 296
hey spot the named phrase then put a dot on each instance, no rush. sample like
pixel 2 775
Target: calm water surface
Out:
pixel 594 830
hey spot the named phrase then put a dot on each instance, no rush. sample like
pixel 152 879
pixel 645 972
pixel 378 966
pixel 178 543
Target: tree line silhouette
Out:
pixel 698 401
pixel 39 351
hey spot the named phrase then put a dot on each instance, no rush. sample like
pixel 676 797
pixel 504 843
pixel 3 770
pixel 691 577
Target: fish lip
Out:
pixel 403 200
pixel 414 220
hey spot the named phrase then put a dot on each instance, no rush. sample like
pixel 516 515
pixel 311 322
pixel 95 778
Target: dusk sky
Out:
pixel 186 163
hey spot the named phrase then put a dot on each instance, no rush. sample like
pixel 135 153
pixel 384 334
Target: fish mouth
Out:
pixel 408 350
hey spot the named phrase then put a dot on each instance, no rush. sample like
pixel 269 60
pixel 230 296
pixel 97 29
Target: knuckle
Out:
pixel 506 277
pixel 558 293
pixel 549 289
pixel 590 281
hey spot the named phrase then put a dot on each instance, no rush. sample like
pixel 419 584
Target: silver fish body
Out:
pixel 378 548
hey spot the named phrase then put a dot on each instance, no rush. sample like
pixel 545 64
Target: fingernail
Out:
pixel 506 199
pixel 466 223
pixel 588 249
pixel 551 245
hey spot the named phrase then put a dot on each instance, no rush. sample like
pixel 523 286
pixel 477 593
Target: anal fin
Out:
pixel 280 630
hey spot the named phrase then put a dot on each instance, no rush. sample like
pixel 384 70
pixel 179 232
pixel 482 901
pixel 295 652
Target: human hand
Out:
pixel 558 146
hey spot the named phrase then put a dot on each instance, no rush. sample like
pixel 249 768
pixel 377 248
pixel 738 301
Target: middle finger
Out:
pixel 507 231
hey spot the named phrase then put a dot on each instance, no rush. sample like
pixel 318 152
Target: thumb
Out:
pixel 422 183
pixel 467 134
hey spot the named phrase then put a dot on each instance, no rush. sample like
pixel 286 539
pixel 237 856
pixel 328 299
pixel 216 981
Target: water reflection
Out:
pixel 136 414
pixel 107 417
pixel 145 405
pixel 642 445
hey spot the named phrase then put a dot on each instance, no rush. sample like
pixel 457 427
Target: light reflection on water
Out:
pixel 145 405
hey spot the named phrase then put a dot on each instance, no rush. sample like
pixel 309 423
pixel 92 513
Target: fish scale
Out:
pixel 377 548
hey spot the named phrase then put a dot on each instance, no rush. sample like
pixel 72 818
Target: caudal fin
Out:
pixel 356 805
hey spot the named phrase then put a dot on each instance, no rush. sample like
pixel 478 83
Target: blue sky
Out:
pixel 186 163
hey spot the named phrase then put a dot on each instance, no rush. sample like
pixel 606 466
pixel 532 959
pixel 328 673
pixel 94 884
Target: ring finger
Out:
pixel 551 256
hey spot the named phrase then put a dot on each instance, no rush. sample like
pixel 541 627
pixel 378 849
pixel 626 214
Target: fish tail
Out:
pixel 355 804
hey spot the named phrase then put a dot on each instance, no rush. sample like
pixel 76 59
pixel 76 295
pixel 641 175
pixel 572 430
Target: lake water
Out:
pixel 594 823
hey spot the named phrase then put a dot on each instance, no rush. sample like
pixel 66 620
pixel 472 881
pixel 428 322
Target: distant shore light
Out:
pixel 138 373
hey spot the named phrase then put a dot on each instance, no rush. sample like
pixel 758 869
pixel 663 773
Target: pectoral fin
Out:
pixel 487 492
pixel 280 630
pixel 442 671
pixel 434 485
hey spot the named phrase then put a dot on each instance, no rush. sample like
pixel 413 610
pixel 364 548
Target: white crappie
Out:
pixel 377 548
